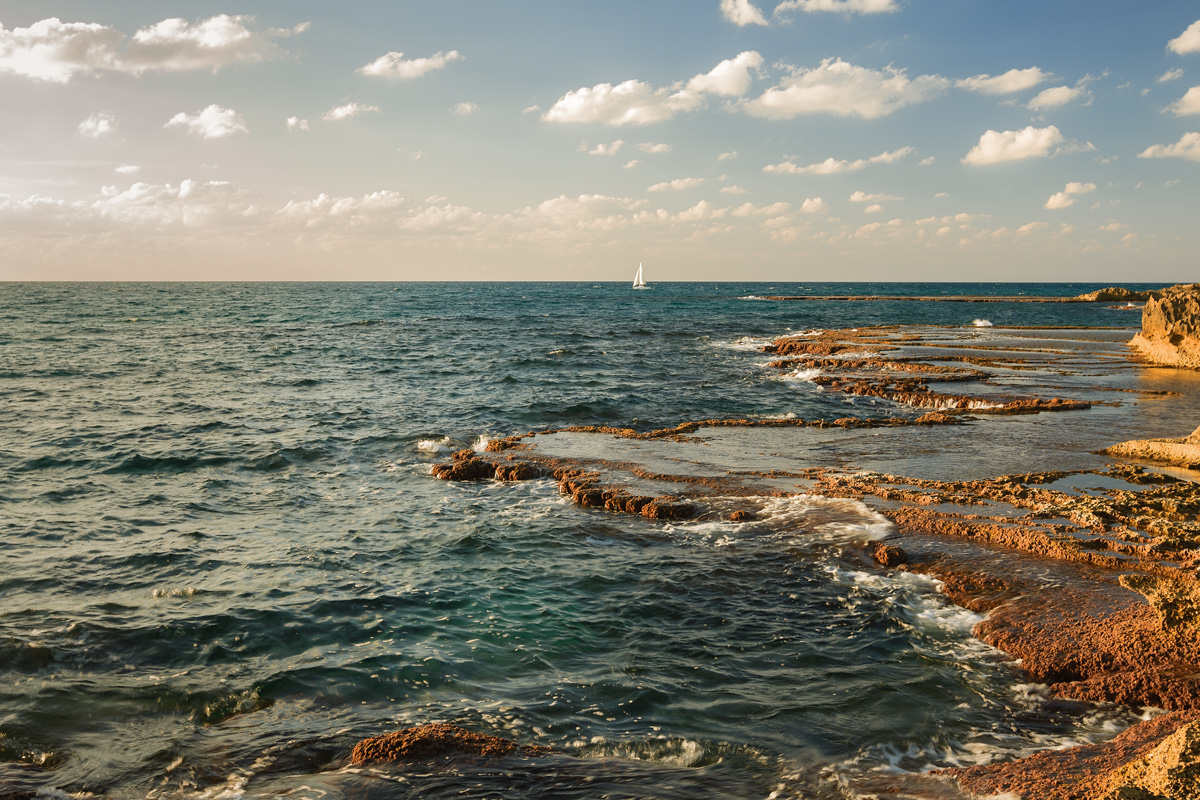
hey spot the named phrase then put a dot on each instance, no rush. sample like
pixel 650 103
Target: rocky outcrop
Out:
pixel 436 740
pixel 1183 452
pixel 1170 334
pixel 1118 293
pixel 1170 770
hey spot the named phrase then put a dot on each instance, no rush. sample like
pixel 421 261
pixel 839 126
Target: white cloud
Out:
pixel 57 51
pixel 677 185
pixel 348 111
pixel 631 164
pixel 742 13
pixel 814 205
pixel 734 189
pixel 1188 147
pixel 840 6
pixel 1065 197
pixel 297 124
pixel 98 125
pixel 729 156
pixel 128 169
pixel 831 166
pixel 190 204
pixel 465 109
pixel 996 146
pixel 1188 41
pixel 1056 96
pixel 1015 80
pixel 863 197
pixel 842 89
pixel 874 208
pixel 1170 75
pixel 654 148
pixel 1188 104
pixel 635 102
pixel 213 122
pixel 393 65
pixel 609 149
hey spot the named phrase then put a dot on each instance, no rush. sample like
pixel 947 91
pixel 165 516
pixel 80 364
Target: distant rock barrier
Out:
pixel 1183 452
pixel 1170 334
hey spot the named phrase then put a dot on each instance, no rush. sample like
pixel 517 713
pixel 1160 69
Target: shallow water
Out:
pixel 225 560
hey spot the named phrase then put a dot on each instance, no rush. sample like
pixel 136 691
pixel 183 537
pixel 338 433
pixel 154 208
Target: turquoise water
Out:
pixel 225 560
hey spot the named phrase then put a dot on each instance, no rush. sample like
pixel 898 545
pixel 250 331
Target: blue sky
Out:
pixel 711 139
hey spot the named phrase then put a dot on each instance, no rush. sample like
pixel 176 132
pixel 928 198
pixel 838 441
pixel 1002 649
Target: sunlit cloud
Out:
pixel 465 109
pixel 1188 104
pixel 742 13
pixel 832 166
pixel 845 90
pixel 677 185
pixel 1015 80
pixel 839 6
pixel 214 122
pixel 998 146
pixel 98 125
pixel 1057 96
pixel 394 65
pixel 1188 41
pixel 1188 147
pixel 297 124
pixel 1170 75
pixel 1066 197
pixel 348 111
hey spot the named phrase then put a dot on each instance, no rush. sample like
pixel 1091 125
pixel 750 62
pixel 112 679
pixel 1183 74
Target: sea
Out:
pixel 225 560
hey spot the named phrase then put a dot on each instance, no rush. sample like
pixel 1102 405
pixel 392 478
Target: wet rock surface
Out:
pixel 436 740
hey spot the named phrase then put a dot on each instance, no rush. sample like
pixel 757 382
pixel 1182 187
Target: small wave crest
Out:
pixel 982 323
pixel 436 446
pixel 802 375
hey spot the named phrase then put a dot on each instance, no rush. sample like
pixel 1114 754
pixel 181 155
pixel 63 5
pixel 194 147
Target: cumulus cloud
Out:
pixel 997 146
pixel 98 125
pixel 213 122
pixel 348 111
pixel 1170 75
pixel 742 13
pixel 297 124
pixel 734 189
pixel 728 156
pixel 863 197
pixel 465 109
pixel 677 185
pixel 609 149
pixel 128 169
pixel 1188 104
pixel 814 205
pixel 831 165
pixel 842 89
pixel 635 102
pixel 393 65
pixel 654 148
pixel 1056 96
pixel 1188 147
pixel 1015 80
pixel 1066 196
pixel 1188 41
pixel 839 6
pixel 57 51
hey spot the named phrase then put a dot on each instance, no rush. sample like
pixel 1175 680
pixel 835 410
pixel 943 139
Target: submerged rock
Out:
pixel 1170 333
pixel 436 740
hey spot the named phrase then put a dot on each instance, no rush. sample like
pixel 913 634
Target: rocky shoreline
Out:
pixel 1111 613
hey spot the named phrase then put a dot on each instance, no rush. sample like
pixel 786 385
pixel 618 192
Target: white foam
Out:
pixel 746 343
pixel 982 323
pixel 802 375
pixel 436 446
pixel 481 444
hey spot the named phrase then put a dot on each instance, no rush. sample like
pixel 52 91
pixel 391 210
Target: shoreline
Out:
pixel 1122 632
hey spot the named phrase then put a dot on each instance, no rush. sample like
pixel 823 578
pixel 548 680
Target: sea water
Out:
pixel 225 560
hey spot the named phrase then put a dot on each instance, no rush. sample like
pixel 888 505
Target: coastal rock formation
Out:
pixel 1170 770
pixel 1119 294
pixel 1170 333
pixel 1183 452
pixel 436 740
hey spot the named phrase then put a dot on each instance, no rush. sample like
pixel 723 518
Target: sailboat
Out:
pixel 638 281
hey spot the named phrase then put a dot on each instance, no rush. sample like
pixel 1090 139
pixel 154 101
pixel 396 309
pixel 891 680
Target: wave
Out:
pixel 982 323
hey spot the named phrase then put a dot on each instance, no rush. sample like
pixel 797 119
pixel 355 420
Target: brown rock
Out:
pixel 435 741
pixel 465 469
pixel 1170 333
pixel 1183 452
pixel 517 472
pixel 743 515
pixel 1169 771
pixel 887 555
pixel 667 508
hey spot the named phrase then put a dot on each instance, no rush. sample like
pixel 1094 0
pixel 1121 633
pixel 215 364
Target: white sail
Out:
pixel 638 281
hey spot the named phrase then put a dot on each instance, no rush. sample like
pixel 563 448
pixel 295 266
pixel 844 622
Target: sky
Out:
pixel 774 140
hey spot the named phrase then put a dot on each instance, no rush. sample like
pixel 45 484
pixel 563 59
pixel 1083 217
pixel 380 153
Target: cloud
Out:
pixel 127 169
pixel 393 65
pixel 1056 96
pixel 831 166
pixel 465 109
pixel 814 205
pixel 213 122
pixel 606 149
pixel 734 189
pixel 1065 197
pixel 654 148
pixel 98 125
pixel 1188 104
pixel 742 13
pixel 842 89
pixel 677 185
pixel 863 197
pixel 56 51
pixel 635 102
pixel 1188 41
pixel 1015 80
pixel 297 124
pixel 348 111
pixel 728 156
pixel 1188 147
pixel 631 164
pixel 190 204
pixel 1170 75
pixel 996 146
pixel 839 6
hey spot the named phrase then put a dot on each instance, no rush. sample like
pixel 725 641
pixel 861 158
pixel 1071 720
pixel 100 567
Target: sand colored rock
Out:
pixel 1183 452
pixel 1176 602
pixel 1168 772
pixel 1170 333
pixel 436 740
